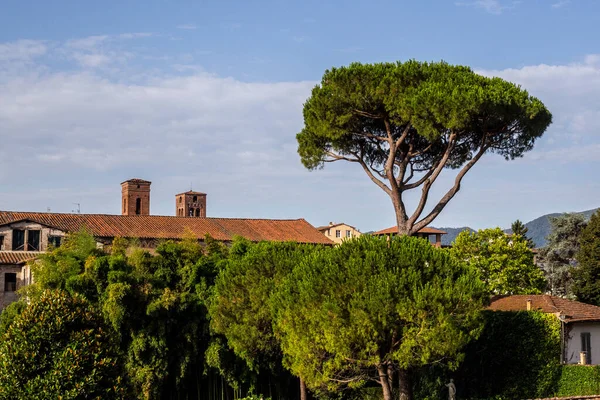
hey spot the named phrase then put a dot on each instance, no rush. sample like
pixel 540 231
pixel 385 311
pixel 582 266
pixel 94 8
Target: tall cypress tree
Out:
pixel 518 228
pixel 586 276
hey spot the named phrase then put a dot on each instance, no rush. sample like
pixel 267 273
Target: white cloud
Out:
pixel 490 6
pixel 571 92
pixel 561 3
pixel 236 140
pixel 22 50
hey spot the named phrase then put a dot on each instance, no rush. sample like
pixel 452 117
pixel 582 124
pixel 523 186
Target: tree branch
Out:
pixel 450 194
pixel 431 179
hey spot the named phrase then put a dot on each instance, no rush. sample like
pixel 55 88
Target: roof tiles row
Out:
pixel 166 227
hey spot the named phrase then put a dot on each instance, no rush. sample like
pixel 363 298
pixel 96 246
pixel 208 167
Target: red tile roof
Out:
pixel 163 227
pixel 573 311
pixel 191 192
pixel 394 230
pixel 136 180
pixel 325 227
pixel 17 257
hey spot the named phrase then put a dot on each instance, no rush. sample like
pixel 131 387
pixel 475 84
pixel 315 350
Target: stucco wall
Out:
pixel 573 347
pixel 343 228
pixel 23 279
pixel 7 232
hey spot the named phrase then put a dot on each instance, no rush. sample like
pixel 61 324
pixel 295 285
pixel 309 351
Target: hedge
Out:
pixel 578 380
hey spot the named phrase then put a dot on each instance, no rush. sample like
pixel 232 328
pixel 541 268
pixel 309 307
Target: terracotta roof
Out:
pixel 325 227
pixel 17 257
pixel 163 227
pixel 572 310
pixel 135 180
pixel 394 230
pixel 192 192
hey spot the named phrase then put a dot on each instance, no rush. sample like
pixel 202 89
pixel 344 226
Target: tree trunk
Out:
pixel 405 385
pixel 303 394
pixel 384 381
pixel 401 217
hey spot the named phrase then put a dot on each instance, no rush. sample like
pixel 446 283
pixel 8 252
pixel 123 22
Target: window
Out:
pixel 124 205
pixel 191 213
pixel 18 240
pixel 348 233
pixel 338 233
pixel 195 199
pixel 54 241
pixel 197 212
pixel 33 240
pixel 180 200
pixel 586 345
pixel 138 206
pixel 10 282
pixel 1 242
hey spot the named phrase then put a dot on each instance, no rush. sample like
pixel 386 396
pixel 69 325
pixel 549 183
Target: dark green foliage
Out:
pixel 505 262
pixel 586 276
pixel 539 228
pixel 240 307
pixel 156 305
pixel 58 348
pixel 371 303
pixel 577 380
pixel 517 356
pixel 557 259
pixel 404 122
pixel 517 228
pixel 9 313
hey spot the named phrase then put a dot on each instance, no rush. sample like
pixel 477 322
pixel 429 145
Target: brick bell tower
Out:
pixel 190 204
pixel 135 196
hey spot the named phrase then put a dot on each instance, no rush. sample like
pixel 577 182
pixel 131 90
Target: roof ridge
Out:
pixel 150 216
pixel 549 299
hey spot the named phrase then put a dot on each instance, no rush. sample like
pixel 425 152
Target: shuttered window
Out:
pixel 586 345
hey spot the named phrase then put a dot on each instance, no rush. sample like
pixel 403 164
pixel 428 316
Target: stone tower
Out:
pixel 190 204
pixel 135 195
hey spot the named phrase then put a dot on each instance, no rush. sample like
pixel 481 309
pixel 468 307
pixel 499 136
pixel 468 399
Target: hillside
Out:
pixel 538 229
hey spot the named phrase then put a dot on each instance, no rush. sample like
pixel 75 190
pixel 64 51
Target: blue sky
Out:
pixel 210 93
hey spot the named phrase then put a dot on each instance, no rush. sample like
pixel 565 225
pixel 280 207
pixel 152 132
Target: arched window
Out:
pixel 195 199
pixel 138 206
pixel 180 199
pixel 191 213
pixel 197 212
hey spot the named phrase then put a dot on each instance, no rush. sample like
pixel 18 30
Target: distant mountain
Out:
pixel 452 234
pixel 538 229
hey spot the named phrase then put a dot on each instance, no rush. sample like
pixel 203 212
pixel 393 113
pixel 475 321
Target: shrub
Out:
pixel 579 380
pixel 57 347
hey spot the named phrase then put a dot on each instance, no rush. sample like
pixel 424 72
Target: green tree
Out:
pixel 586 276
pixel 155 305
pixel 58 348
pixel 557 259
pixel 403 123
pixel 518 228
pixel 374 310
pixel 505 262
pixel 240 305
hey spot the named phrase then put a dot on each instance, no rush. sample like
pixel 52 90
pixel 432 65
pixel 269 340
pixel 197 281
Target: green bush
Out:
pixel 578 380
pixel 58 348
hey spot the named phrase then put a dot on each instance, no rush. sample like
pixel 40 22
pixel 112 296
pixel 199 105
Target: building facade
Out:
pixel 339 232
pixel 26 235
pixel 580 323
pixel 433 235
